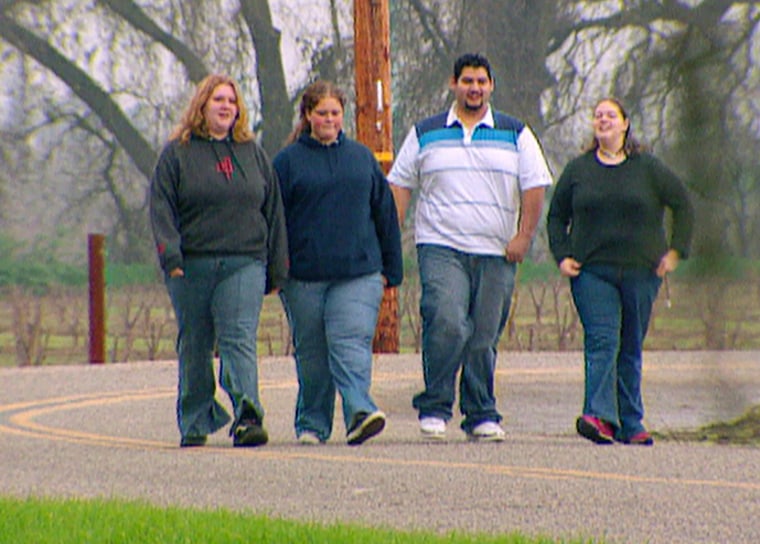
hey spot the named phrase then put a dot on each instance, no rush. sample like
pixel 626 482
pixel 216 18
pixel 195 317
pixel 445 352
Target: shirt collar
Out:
pixel 454 118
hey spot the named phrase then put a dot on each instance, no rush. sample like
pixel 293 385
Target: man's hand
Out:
pixel 531 202
pixel 517 248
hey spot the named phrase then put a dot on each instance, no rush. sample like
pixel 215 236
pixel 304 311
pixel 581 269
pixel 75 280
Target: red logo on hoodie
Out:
pixel 225 167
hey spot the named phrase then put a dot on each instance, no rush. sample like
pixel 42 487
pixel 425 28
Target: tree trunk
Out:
pixel 275 104
pixel 513 35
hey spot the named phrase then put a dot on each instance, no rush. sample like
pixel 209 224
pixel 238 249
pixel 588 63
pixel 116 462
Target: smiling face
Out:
pixel 610 125
pixel 472 91
pixel 220 111
pixel 326 120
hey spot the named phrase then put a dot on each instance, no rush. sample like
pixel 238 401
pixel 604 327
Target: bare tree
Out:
pixel 552 59
pixel 123 125
pixel 121 69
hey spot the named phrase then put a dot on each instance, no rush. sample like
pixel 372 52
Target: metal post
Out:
pixel 96 254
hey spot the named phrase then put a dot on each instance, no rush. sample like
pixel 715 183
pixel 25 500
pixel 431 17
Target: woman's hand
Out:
pixel 569 267
pixel 668 263
pixel 176 273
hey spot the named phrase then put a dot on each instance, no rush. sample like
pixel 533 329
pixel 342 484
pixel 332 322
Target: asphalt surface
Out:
pixel 109 431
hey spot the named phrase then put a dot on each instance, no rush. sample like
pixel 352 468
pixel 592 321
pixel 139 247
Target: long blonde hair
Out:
pixel 193 121
pixel 311 96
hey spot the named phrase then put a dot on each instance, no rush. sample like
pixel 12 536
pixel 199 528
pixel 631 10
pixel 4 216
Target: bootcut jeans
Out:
pixel 614 305
pixel 464 306
pixel 333 324
pixel 217 303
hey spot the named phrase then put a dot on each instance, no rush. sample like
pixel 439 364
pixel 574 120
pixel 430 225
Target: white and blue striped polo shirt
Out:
pixel 469 183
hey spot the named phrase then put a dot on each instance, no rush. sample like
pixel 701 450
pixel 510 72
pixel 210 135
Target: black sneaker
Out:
pixel 192 441
pixel 249 433
pixel 365 427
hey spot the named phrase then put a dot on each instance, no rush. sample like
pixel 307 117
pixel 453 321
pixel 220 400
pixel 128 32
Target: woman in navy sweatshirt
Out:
pixel 606 232
pixel 345 246
pixel 219 228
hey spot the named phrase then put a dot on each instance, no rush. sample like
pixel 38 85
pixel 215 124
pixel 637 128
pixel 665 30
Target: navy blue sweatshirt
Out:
pixel 211 197
pixel 340 214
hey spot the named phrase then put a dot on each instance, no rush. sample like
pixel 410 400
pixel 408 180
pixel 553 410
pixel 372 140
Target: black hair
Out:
pixel 471 60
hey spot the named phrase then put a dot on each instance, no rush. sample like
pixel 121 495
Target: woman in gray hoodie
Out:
pixel 219 228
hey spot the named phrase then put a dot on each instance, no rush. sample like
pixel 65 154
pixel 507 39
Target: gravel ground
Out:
pixel 109 431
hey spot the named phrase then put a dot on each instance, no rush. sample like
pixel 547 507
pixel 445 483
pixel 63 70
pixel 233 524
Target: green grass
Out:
pixel 744 430
pixel 58 521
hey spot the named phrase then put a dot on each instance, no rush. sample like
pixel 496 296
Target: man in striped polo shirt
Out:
pixel 481 178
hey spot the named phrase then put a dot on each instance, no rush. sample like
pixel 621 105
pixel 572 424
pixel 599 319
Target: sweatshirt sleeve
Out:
pixel 386 225
pixel 277 240
pixel 675 196
pixel 559 217
pixel 163 207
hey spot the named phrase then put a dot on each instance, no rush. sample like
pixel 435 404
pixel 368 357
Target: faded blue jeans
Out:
pixel 217 303
pixel 464 306
pixel 614 305
pixel 333 324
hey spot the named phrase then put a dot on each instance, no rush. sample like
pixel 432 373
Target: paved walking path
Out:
pixel 109 431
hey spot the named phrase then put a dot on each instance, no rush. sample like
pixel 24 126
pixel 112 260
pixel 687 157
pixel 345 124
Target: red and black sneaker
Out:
pixel 642 438
pixel 595 429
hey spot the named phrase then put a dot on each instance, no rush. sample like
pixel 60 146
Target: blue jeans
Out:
pixel 614 305
pixel 464 306
pixel 217 303
pixel 333 324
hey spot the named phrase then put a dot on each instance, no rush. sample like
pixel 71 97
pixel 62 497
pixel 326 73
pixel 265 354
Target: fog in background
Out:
pixel 89 91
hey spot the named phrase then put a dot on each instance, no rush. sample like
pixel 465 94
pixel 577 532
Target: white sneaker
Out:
pixel 488 431
pixel 433 428
pixel 308 438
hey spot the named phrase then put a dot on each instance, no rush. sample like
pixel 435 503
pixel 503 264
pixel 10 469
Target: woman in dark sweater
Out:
pixel 606 232
pixel 345 245
pixel 219 228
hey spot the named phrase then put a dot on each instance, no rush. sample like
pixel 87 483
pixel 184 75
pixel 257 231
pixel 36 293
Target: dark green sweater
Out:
pixel 614 214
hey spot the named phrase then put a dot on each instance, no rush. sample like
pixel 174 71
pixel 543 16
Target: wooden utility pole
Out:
pixel 372 69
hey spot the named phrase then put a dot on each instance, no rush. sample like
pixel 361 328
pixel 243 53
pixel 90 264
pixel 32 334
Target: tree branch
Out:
pixel 441 45
pixel 82 85
pixel 134 15
pixel 278 114
pixel 705 16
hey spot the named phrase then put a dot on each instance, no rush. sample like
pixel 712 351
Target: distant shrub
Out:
pixel 535 271
pixel 38 271
pixel 121 275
